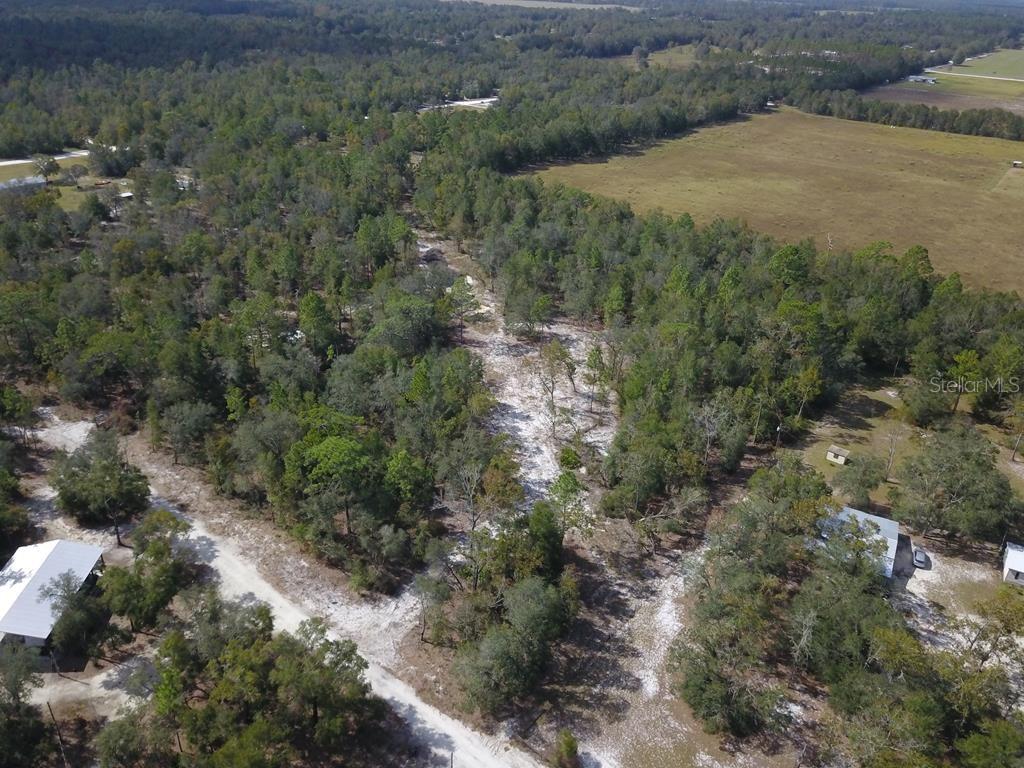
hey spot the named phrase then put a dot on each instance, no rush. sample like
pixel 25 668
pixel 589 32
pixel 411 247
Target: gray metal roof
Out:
pixel 880 527
pixel 24 181
pixel 23 609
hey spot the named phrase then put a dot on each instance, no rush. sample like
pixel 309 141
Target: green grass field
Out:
pixel 8 172
pixel 676 57
pixel 1007 63
pixel 954 91
pixel 795 175
pixel 969 86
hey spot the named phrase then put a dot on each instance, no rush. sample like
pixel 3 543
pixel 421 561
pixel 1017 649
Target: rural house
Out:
pixel 26 616
pixel 1013 564
pixel 837 455
pixel 23 184
pixel 880 528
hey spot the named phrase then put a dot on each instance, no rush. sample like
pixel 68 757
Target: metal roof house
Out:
pixel 23 184
pixel 1013 564
pixel 881 528
pixel 25 614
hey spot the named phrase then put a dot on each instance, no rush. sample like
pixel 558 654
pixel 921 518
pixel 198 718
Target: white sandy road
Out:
pixel 980 77
pixel 449 741
pixel 64 156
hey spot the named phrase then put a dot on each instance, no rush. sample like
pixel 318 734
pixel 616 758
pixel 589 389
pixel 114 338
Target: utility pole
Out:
pixel 60 739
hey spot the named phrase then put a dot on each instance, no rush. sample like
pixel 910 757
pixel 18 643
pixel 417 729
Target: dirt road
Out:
pixel 253 562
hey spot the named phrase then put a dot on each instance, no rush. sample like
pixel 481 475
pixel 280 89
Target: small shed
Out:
pixel 837 455
pixel 26 615
pixel 1013 564
pixel 1018 163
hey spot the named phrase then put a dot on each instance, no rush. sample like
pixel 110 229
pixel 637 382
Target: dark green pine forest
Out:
pixel 259 308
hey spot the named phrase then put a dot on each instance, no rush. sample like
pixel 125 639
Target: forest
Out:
pixel 260 310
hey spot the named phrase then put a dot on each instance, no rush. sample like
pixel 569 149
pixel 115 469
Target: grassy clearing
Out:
pixel 863 421
pixel 1004 94
pixel 1006 63
pixel 676 57
pixel 975 92
pixel 71 199
pixel 20 170
pixel 976 86
pixel 795 175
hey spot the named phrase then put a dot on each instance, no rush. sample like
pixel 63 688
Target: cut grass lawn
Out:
pixel 795 175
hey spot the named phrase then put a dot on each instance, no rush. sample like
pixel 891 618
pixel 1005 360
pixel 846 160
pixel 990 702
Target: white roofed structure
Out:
pixel 881 528
pixel 1013 563
pixel 24 612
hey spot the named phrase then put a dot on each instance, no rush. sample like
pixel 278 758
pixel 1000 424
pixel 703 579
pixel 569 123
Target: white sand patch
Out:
pixel 104 691
pixel 59 434
pixel 951 582
pixel 650 631
pixel 524 408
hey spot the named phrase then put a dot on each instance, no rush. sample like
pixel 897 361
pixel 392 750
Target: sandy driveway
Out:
pixel 246 559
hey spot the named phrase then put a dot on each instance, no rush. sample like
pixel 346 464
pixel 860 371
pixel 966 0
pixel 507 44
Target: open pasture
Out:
pixel 955 93
pixel 994 80
pixel 847 183
pixel 1005 63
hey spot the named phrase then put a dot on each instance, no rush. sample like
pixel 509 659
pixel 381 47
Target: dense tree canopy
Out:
pixel 260 306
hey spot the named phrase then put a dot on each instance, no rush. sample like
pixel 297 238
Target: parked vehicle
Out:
pixel 920 558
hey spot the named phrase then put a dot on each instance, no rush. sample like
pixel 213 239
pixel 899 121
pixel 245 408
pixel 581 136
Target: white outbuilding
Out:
pixel 837 455
pixel 1013 564
pixel 26 615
